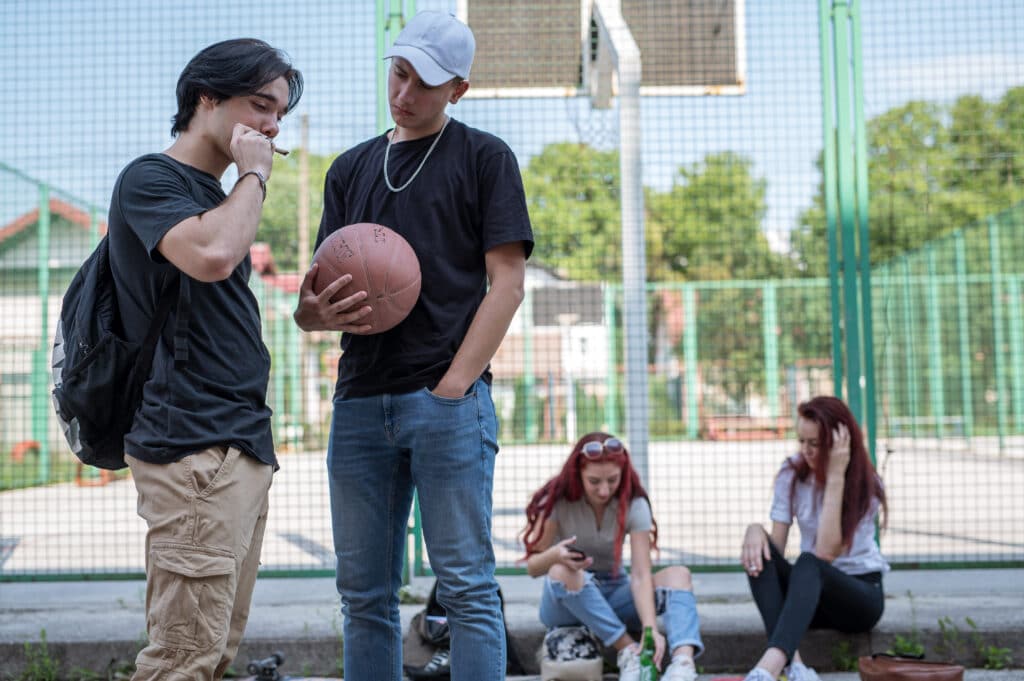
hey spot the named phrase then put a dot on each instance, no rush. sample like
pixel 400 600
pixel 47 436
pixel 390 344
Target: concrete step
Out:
pixel 99 626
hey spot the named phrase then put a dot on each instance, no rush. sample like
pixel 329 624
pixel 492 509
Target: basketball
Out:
pixel 381 262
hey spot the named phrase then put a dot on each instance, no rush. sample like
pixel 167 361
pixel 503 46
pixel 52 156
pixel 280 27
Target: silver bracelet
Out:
pixel 259 176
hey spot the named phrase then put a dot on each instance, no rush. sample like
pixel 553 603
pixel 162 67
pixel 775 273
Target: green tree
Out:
pixel 708 226
pixel 931 169
pixel 279 223
pixel 572 191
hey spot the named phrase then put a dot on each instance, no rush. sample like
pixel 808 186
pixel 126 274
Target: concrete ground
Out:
pixel 950 501
pixel 99 626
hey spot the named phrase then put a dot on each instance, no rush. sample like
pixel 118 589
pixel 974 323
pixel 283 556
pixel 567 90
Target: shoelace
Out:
pixel 438 661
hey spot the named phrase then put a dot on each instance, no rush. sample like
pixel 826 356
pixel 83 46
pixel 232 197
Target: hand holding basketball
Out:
pixel 381 262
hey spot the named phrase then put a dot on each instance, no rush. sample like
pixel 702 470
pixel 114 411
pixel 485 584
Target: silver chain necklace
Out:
pixel 387 153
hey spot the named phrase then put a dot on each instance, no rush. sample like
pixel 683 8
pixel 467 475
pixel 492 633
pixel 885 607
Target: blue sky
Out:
pixel 90 85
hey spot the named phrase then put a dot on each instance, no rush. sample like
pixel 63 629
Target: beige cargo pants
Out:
pixel 206 515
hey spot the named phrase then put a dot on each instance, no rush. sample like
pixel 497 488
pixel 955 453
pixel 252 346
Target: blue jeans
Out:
pixel 605 605
pixel 381 448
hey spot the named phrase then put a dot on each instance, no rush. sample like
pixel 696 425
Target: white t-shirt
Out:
pixel 863 555
pixel 577 518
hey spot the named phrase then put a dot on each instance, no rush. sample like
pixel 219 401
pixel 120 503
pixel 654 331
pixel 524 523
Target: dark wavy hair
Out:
pixel 862 483
pixel 232 68
pixel 568 485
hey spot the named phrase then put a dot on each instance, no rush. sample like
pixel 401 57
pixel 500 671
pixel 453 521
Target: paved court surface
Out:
pixel 950 500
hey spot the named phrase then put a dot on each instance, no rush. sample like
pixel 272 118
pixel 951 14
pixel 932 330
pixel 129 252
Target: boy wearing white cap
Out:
pixel 412 405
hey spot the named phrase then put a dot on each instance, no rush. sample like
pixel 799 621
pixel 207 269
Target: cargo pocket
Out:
pixel 191 596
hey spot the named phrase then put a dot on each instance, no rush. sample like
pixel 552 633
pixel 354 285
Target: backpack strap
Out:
pixel 148 349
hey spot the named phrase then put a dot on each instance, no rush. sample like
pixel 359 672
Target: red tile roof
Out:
pixel 72 214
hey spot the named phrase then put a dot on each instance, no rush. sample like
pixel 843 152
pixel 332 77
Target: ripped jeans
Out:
pixel 605 606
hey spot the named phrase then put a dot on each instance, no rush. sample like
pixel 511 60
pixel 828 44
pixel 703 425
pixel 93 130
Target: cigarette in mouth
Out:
pixel 279 150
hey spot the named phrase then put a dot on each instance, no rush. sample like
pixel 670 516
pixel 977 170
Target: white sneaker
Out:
pixel 629 664
pixel 680 669
pixel 758 674
pixel 797 671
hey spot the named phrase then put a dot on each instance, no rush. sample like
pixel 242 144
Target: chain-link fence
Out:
pixel 686 204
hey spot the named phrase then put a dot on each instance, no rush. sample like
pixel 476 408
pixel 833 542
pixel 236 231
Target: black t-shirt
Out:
pixel 219 396
pixel 467 199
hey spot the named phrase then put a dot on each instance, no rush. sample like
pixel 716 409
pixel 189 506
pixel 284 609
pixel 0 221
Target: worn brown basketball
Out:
pixel 381 262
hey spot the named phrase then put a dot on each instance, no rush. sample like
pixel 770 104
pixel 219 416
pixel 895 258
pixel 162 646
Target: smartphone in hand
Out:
pixel 579 554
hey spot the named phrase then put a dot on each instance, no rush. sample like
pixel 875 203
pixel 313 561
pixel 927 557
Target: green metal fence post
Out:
pixel 690 360
pixel 275 319
pixel 936 384
pixel 389 23
pixel 293 352
pixel 829 181
pixel 963 321
pixel 860 159
pixel 769 327
pixel 1013 311
pixel 885 277
pixel 529 388
pixel 611 403
pixel 41 357
pixel 847 208
pixel 995 273
pixel 908 342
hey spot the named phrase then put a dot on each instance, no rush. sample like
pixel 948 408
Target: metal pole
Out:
pixel 389 23
pixel 963 321
pixel 41 370
pixel 298 347
pixel 910 359
pixel 891 391
pixel 690 355
pixel 861 165
pixel 1013 311
pixel 995 272
pixel 769 328
pixel 634 270
pixel 936 384
pixel 529 398
pixel 611 403
pixel 828 153
pixel 847 210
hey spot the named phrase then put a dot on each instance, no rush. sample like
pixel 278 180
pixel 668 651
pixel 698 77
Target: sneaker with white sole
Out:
pixel 680 669
pixel 798 671
pixel 758 674
pixel 629 664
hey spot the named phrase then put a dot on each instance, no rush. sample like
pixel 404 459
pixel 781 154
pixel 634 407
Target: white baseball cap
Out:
pixel 439 47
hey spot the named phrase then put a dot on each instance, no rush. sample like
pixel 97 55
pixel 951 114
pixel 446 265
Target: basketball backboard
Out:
pixel 550 48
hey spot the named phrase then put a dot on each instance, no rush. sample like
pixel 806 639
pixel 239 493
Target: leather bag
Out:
pixel 882 667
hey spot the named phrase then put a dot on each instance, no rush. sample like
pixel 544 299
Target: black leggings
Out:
pixel 822 597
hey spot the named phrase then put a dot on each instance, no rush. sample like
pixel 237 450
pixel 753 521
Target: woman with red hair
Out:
pixel 576 525
pixel 834 493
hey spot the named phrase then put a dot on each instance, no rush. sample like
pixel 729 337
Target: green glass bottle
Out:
pixel 648 670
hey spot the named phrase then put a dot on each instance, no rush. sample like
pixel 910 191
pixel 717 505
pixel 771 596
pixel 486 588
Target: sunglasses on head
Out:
pixel 595 450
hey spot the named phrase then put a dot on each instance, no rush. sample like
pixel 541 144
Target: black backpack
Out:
pixel 98 374
pixel 430 627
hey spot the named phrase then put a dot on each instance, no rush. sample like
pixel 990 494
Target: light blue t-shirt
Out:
pixel 577 518
pixel 861 557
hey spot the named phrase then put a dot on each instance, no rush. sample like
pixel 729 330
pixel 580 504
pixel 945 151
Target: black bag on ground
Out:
pixel 429 639
pixel 97 373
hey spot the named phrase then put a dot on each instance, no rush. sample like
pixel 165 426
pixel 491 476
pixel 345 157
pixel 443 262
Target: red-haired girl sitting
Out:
pixel 576 525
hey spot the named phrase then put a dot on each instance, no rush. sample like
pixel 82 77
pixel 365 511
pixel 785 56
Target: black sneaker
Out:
pixel 439 667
